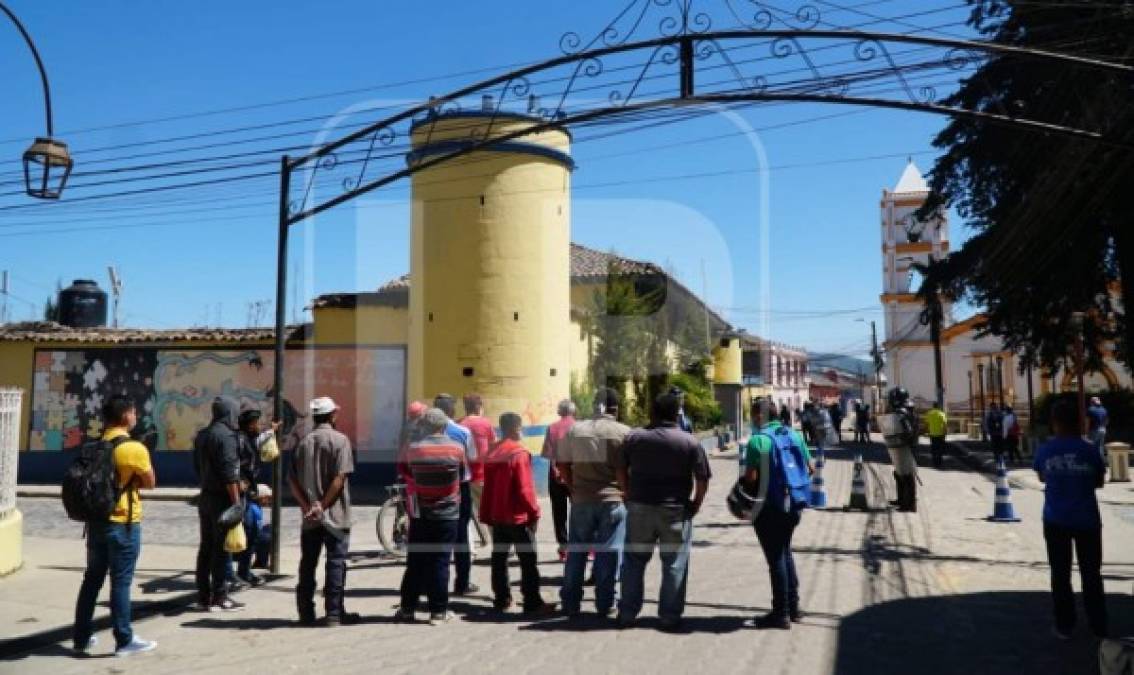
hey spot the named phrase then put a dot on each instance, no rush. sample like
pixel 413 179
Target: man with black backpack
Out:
pixel 781 451
pixel 101 489
pixel 216 456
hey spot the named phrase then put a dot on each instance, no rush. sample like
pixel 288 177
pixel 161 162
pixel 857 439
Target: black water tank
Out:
pixel 82 305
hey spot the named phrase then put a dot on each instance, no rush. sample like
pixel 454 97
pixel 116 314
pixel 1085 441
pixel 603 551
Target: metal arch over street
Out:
pixel 609 77
pixel 682 59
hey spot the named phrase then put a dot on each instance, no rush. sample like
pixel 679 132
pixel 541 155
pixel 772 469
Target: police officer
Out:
pixel 899 428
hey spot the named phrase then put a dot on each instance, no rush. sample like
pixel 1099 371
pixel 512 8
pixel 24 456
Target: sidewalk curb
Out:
pixel 157 494
pixel 988 466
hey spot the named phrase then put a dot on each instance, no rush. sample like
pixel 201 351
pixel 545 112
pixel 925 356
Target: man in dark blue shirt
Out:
pixel 1072 470
pixel 1096 424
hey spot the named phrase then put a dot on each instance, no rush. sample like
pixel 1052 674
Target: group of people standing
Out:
pixel 623 493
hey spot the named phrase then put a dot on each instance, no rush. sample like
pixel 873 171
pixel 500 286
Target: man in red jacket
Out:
pixel 510 507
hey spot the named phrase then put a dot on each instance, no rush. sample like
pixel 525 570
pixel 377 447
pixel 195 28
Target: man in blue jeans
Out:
pixel 1072 469
pixel 113 547
pixel 774 525
pixel 587 456
pixel 658 469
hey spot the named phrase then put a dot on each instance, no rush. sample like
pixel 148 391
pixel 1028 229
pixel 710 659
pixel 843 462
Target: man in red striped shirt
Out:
pixel 435 464
pixel 510 506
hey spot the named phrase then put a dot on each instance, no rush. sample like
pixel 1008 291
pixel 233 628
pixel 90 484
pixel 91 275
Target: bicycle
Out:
pixel 392 523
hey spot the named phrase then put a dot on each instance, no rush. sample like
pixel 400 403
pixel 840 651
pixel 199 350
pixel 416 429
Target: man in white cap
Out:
pixel 320 469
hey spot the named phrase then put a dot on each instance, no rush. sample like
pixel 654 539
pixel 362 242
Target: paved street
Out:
pixel 940 591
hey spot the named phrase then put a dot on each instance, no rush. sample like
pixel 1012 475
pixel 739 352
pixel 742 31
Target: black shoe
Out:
pixel 773 620
pixel 795 616
pixel 344 619
pixel 542 609
pixel 502 605
pixel 670 625
pixel 253 580
pixel 467 590
pixel 625 621
pixel 306 621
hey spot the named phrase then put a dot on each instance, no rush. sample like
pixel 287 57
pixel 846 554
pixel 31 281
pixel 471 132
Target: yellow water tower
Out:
pixel 490 267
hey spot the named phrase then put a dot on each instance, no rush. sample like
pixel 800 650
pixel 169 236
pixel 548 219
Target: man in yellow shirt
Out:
pixel 113 547
pixel 936 423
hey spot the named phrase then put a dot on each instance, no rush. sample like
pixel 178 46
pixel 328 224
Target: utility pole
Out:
pixel 980 382
pixel 115 291
pixel 4 293
pixel 970 399
pixel 935 336
pixel 874 352
pixel 1080 357
pixel 1000 379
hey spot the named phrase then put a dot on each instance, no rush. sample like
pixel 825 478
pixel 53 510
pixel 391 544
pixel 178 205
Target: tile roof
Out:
pixel 49 331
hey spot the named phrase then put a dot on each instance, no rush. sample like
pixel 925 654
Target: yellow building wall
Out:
pixel 490 242
pixel 364 325
pixel 728 362
pixel 16 368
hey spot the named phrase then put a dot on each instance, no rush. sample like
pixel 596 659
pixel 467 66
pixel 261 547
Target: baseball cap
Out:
pixel 323 405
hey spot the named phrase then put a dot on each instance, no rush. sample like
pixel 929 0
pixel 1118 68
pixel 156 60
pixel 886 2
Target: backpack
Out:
pixel 788 473
pixel 90 486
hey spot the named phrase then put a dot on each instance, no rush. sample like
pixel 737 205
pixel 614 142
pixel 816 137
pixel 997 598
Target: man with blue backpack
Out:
pixel 781 452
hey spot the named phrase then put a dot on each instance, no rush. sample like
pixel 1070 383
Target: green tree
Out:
pixel 1052 220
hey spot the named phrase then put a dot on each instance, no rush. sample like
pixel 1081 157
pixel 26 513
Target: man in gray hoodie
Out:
pixel 216 457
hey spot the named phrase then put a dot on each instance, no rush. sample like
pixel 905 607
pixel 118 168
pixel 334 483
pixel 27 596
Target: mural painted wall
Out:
pixel 174 390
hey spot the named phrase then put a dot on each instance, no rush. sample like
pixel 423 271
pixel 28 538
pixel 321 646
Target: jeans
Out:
pixel 212 561
pixel 1088 548
pixel 111 548
pixel 311 543
pixel 462 552
pixel 504 537
pixel 601 526
pixel 559 496
pixel 671 529
pixel 774 529
pixel 429 548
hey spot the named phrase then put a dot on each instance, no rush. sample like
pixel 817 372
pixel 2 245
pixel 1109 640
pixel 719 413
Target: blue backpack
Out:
pixel 789 473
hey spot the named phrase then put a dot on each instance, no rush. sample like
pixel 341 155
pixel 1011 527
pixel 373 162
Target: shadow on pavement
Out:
pixel 986 633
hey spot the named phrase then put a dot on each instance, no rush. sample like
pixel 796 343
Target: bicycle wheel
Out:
pixel 392 525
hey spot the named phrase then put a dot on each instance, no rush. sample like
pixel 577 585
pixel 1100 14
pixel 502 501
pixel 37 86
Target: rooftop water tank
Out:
pixel 82 305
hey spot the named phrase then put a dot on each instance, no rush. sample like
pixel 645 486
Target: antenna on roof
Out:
pixel 115 290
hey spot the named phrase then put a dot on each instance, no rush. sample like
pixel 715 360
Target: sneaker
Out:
pixel 236 586
pixel 344 619
pixel 1061 634
pixel 773 620
pixel 467 590
pixel 85 648
pixel 439 618
pixel 202 606
pixel 253 580
pixel 136 646
pixel 226 605
pixel 404 616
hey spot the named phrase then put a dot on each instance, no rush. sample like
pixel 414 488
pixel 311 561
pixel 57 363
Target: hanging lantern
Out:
pixel 47 165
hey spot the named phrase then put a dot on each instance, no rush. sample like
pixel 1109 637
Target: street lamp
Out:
pixel 980 383
pixel 47 162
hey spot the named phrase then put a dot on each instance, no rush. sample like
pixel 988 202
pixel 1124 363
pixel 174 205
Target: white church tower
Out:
pixel 906 240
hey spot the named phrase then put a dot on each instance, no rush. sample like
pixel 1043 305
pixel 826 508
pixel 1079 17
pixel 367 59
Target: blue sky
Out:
pixel 199 256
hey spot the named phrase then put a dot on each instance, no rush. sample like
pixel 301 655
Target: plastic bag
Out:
pixel 235 541
pixel 269 449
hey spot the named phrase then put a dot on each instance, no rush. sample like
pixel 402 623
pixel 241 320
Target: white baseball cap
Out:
pixel 263 490
pixel 323 406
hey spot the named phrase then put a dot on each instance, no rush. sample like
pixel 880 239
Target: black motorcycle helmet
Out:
pixel 898 398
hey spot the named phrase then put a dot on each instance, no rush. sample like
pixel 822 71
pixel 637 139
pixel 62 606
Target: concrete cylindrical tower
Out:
pixel 728 361
pixel 489 268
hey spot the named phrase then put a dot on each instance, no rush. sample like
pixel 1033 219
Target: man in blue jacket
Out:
pixel 1072 469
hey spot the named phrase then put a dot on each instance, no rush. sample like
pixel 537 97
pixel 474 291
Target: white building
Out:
pixel 966 359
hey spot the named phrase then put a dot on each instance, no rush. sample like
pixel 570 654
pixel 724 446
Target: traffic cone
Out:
pixel 818 487
pixel 1002 511
pixel 858 486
